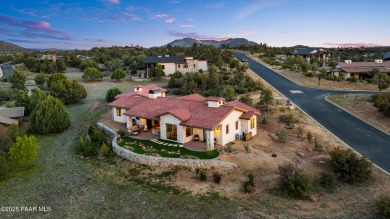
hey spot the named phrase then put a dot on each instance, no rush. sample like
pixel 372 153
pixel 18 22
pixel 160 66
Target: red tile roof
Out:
pixel 128 102
pixel 181 113
pixel 212 98
pixel 196 97
pixel 191 112
pixel 243 106
pixel 144 92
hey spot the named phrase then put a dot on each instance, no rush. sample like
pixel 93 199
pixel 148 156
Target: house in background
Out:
pixel 171 64
pixel 309 53
pixel 52 57
pixel 182 118
pixel 9 116
pixel 361 69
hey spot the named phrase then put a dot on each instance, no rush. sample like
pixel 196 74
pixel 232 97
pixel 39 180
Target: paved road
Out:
pixel 367 140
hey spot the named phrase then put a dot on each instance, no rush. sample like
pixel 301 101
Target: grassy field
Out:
pixel 76 187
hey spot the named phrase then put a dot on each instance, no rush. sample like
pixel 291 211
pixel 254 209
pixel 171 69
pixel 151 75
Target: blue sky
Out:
pixel 85 24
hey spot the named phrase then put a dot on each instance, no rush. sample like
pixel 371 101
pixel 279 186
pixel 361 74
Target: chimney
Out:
pixel 214 102
pixel 348 61
pixel 153 94
pixel 378 61
pixel 138 88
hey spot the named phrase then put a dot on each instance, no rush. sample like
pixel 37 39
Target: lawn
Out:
pixel 147 147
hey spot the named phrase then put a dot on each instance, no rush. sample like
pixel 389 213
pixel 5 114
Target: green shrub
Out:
pixel 49 116
pixel 289 119
pixel 328 180
pixel 121 132
pixel 95 134
pixel 4 79
pixel 309 137
pixel 24 150
pixel 40 79
pixel 203 175
pixel 86 147
pixel 282 136
pixel 249 185
pixel 383 206
pixel 229 147
pixel 217 177
pixel 247 148
pixel 294 182
pixel 118 74
pixel 111 94
pixel 309 74
pixel 104 150
pixel 349 167
pixel 352 79
pixel 10 105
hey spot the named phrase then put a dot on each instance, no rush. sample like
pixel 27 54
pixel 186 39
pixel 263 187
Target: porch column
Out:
pixel 210 140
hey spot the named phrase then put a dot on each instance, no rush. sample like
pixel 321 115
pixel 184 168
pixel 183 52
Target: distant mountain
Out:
pixel 7 48
pixel 232 42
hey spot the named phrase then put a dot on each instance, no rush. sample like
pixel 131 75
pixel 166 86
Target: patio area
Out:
pixel 145 135
pixel 196 145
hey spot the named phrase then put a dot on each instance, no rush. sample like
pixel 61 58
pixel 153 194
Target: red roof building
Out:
pixel 181 118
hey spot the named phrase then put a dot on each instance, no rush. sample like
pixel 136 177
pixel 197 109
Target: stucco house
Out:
pixel 171 64
pixel 308 53
pixel 186 118
pixel 361 69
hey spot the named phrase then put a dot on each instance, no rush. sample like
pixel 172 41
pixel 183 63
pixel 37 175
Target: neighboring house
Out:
pixel 52 57
pixel 308 53
pixel 6 70
pixel 386 56
pixel 181 118
pixel 171 64
pixel 9 116
pixel 361 69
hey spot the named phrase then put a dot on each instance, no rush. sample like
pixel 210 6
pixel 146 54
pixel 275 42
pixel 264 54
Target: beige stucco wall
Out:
pixel 169 119
pixel 231 121
pixel 121 118
pixel 169 68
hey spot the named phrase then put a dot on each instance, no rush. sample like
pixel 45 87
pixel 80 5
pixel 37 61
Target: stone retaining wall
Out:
pixel 161 161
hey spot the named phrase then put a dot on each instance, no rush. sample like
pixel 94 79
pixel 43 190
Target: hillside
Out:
pixel 232 42
pixel 7 48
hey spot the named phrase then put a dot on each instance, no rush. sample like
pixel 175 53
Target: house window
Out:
pixel 185 66
pixel 178 66
pixel 227 129
pixel 189 131
pixel 171 132
pixel 252 123
pixel 236 125
pixel 163 66
pixel 194 66
pixel 118 111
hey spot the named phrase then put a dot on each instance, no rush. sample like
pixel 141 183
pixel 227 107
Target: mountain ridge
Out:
pixel 7 48
pixel 231 42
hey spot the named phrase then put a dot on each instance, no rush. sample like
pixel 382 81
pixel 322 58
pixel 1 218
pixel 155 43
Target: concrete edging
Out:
pixel 162 161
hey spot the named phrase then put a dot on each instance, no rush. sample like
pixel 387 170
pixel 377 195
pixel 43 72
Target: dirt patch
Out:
pixel 360 106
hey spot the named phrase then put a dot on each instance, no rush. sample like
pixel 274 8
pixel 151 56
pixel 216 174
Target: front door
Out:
pixel 149 123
